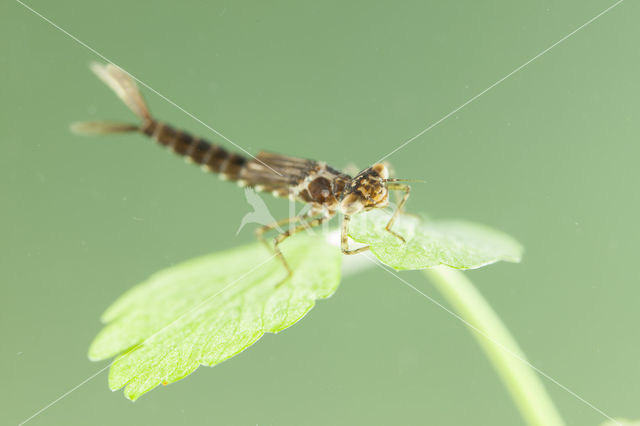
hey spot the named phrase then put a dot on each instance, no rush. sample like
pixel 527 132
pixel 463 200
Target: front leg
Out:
pixel 344 238
pixel 396 213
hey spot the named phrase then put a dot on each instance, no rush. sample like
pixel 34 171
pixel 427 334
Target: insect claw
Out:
pixel 395 234
pixel 284 280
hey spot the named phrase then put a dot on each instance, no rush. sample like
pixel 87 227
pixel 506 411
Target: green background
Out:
pixel 550 156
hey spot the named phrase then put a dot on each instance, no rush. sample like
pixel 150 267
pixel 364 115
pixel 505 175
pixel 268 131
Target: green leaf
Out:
pixel 457 244
pixel 621 422
pixel 206 310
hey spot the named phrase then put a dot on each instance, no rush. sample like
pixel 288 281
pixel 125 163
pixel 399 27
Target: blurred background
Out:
pixel 549 156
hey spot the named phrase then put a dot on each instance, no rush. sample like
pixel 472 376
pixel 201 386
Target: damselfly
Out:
pixel 327 190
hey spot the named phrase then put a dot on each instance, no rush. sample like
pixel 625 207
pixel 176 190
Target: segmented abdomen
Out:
pixel 212 157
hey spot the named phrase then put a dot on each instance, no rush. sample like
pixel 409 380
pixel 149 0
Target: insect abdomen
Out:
pixel 212 157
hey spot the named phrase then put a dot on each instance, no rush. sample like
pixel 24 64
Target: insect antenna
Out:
pixel 405 180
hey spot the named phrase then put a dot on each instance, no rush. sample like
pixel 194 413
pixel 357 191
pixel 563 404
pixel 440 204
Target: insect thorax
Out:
pixel 323 187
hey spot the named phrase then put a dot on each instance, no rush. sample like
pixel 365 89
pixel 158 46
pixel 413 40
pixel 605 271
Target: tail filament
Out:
pixel 211 157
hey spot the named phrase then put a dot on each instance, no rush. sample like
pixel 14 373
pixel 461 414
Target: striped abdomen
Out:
pixel 212 157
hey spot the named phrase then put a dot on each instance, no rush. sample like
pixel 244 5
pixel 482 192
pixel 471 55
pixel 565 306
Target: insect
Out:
pixel 327 190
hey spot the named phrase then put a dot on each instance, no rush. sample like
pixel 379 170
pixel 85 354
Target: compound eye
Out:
pixel 381 170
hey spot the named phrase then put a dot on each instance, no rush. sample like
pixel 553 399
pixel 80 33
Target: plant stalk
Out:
pixel 517 374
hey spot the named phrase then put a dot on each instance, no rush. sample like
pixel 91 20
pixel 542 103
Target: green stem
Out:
pixel 500 347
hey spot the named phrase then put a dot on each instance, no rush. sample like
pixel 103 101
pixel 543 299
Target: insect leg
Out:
pixel 289 232
pixel 396 213
pixel 266 228
pixel 344 235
